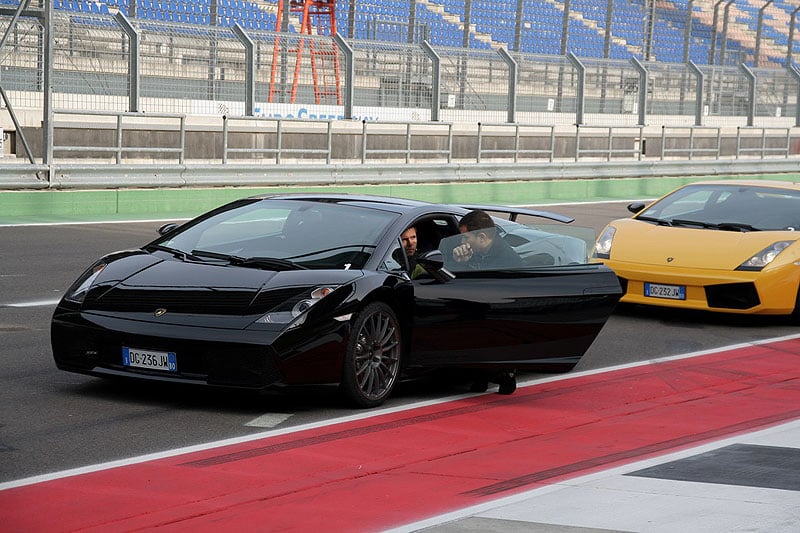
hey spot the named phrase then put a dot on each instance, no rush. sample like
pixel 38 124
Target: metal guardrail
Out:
pixel 409 150
pixel 763 149
pixel 140 138
pixel 691 149
pixel 278 151
pixel 610 149
pixel 120 147
pixel 517 150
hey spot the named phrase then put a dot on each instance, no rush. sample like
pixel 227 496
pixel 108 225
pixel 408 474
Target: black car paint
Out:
pixel 538 318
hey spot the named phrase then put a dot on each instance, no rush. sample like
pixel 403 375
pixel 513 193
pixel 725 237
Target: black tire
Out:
pixel 372 361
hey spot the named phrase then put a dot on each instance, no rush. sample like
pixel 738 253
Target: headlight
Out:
pixel 295 311
pixel 765 256
pixel 77 293
pixel 602 248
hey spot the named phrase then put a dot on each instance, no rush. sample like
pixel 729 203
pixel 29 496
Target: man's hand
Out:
pixel 462 253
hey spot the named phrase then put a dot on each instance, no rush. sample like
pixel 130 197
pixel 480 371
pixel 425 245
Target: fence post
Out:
pixel 480 143
pixel 436 78
pixel 224 139
pixel 349 75
pixel 698 98
pixel 643 86
pixel 363 141
pixel 249 69
pixel 579 98
pixel 133 61
pixel 512 84
pixel 751 93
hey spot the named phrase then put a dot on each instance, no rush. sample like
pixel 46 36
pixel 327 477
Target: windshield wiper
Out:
pixel 180 254
pixel 736 226
pixel 272 263
pixel 722 226
pixel 659 221
pixel 684 222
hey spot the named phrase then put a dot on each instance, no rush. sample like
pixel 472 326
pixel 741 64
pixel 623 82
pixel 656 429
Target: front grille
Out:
pixel 732 296
pixel 211 301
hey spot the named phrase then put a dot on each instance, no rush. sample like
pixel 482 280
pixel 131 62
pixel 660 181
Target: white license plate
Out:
pixel 149 359
pixel 672 292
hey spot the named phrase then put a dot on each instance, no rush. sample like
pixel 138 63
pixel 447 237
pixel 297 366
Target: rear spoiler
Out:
pixel 514 212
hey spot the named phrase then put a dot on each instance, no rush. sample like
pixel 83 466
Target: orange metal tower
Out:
pixel 317 17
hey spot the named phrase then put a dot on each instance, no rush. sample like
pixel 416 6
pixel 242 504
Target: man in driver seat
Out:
pixel 409 240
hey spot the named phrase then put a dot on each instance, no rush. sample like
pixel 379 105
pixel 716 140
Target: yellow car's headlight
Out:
pixel 602 248
pixel 765 256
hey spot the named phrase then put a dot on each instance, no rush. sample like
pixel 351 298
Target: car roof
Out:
pixel 385 202
pixel 406 205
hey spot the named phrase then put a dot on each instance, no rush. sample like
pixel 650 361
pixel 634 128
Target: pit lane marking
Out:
pixel 360 416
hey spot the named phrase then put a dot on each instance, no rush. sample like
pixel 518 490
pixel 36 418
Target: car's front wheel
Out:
pixel 372 361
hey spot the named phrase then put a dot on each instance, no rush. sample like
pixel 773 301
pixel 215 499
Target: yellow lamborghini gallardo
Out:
pixel 730 246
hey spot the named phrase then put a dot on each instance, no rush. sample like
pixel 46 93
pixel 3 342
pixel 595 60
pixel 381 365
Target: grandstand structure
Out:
pixel 537 62
pixel 715 31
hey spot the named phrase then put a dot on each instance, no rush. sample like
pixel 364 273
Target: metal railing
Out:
pixel 762 147
pixel 609 149
pixel 409 149
pixel 261 128
pixel 517 151
pixel 686 144
pixel 136 138
pixel 122 144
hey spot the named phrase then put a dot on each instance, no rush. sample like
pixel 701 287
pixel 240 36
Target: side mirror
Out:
pixel 166 228
pixel 433 263
pixel 635 207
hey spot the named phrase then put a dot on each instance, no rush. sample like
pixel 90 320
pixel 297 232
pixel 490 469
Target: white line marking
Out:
pixel 37 303
pixel 269 420
pixel 361 416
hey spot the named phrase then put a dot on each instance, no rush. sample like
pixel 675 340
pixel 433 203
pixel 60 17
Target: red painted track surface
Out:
pixel 398 468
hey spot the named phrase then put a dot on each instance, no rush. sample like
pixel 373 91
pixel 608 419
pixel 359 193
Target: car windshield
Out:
pixel 282 235
pixel 726 207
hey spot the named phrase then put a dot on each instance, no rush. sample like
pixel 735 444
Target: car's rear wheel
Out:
pixel 372 361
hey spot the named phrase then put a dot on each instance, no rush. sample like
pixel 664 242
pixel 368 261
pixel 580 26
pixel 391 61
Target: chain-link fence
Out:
pixel 21 64
pixel 112 63
pixel 391 82
pixel 547 90
pixel 474 85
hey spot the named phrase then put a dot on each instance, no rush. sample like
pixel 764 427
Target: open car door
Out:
pixel 524 318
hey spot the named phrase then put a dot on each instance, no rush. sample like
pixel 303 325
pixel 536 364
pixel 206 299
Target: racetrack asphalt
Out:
pixel 707 441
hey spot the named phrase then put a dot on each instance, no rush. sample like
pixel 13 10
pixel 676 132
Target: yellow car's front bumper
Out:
pixel 769 292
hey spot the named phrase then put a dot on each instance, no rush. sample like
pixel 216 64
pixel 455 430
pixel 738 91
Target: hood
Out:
pixel 195 289
pixel 646 243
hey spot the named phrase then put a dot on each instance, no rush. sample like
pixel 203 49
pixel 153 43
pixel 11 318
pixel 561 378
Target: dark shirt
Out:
pixel 499 256
pixel 414 269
